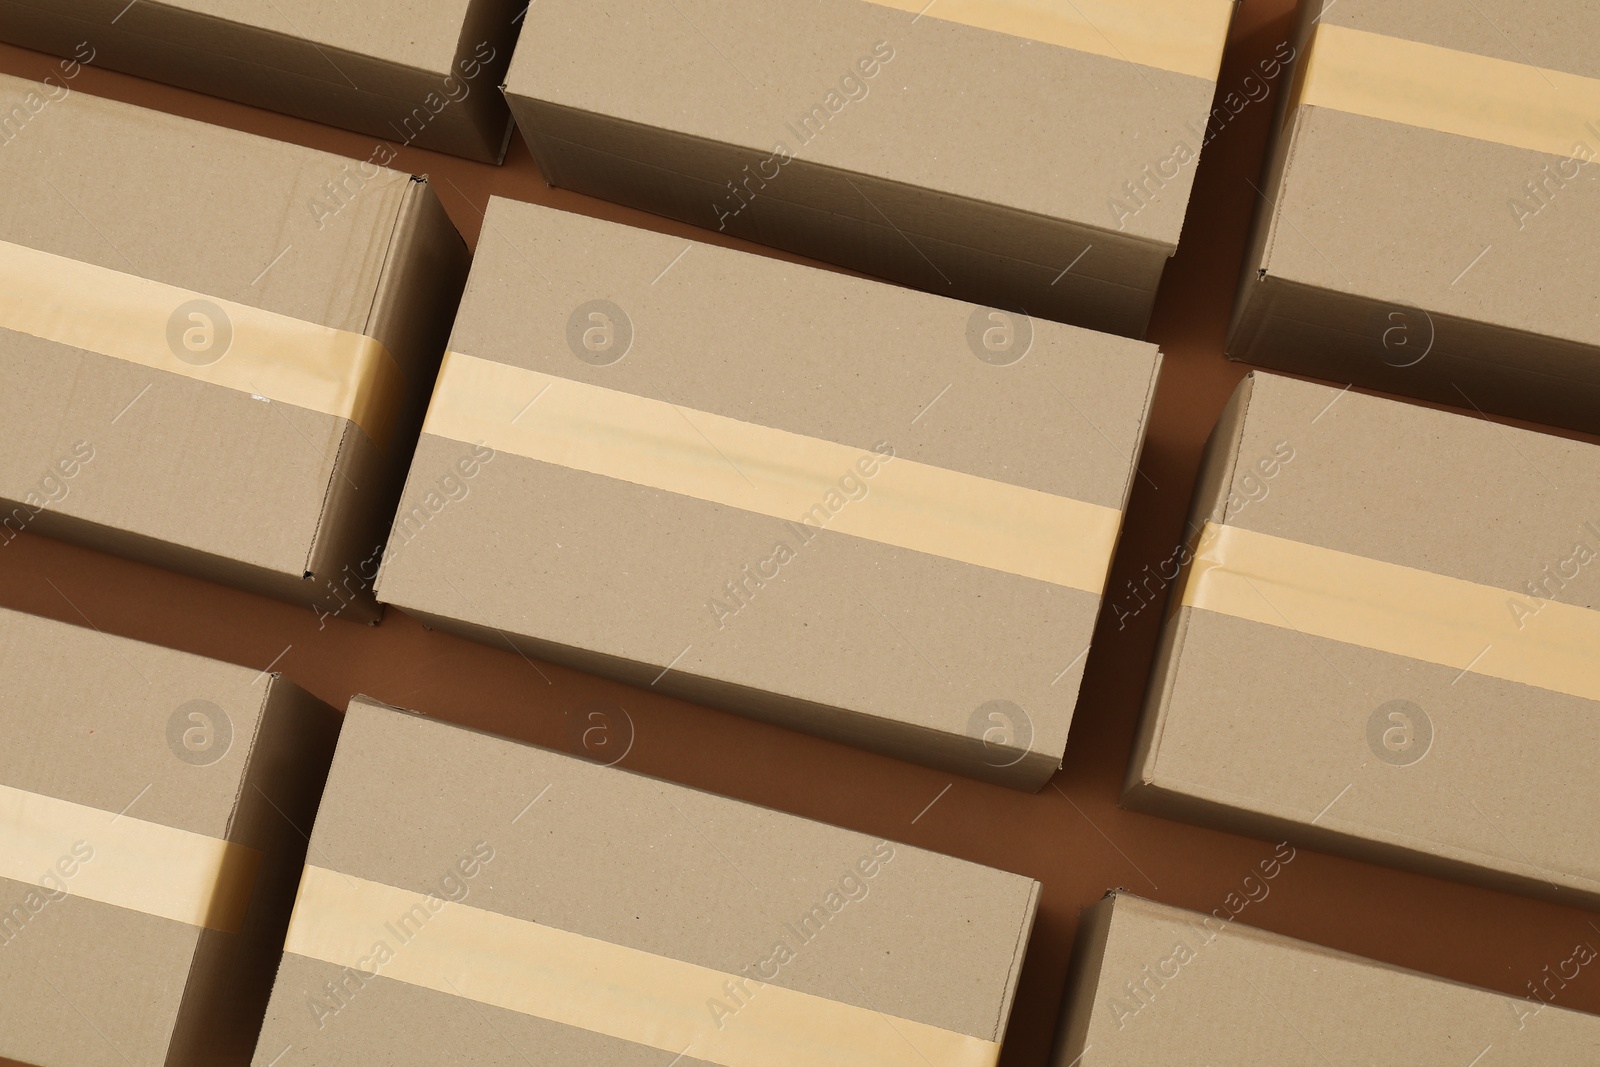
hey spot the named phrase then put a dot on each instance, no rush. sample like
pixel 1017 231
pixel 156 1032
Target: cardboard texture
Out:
pixel 535 840
pixel 836 607
pixel 1446 249
pixel 1363 741
pixel 852 131
pixel 143 735
pixel 139 453
pixel 418 72
pixel 1157 984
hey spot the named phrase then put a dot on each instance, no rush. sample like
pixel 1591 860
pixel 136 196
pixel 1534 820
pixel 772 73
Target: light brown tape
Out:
pixel 1183 36
pixel 1461 93
pixel 1395 609
pixel 63 847
pixel 272 356
pixel 772 472
pixel 594 985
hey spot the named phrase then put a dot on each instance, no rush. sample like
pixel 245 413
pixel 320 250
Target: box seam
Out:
pixel 403 215
pixel 1018 954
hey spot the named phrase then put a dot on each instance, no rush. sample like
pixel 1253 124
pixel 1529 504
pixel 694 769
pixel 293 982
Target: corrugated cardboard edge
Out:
pixel 482 134
pixel 231 974
pixel 1083 981
pixel 413 308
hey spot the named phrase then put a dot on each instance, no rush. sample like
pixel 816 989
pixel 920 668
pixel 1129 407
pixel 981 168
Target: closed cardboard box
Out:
pixel 1384 641
pixel 151 806
pixel 1431 217
pixel 1155 984
pixel 215 349
pixel 1033 156
pixel 413 72
pixel 474 900
pixel 850 508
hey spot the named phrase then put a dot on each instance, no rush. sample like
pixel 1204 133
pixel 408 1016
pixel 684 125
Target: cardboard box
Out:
pixel 1431 217
pixel 1036 159
pixel 215 349
pixel 1384 643
pixel 1156 984
pixel 468 895
pixel 423 74
pixel 150 811
pixel 842 506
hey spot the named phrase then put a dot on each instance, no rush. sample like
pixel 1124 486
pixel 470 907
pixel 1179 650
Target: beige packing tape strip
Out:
pixel 283 359
pixel 1441 89
pixel 1182 36
pixel 771 472
pixel 142 866
pixel 1394 609
pixel 594 985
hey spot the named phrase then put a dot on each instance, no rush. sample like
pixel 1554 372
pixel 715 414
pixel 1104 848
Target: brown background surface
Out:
pixel 1071 836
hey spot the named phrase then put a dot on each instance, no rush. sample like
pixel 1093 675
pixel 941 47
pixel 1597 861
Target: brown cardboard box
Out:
pixel 215 351
pixel 475 900
pixel 1031 156
pixel 1430 223
pixel 1385 643
pixel 1159 985
pixel 846 507
pixel 422 72
pixel 150 811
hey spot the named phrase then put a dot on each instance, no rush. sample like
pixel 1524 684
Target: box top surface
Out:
pixel 846 361
pixel 1427 489
pixel 1550 33
pixel 1411 211
pixel 1222 992
pixel 96 720
pixel 810 351
pixel 223 214
pixel 1373 737
pixel 1043 129
pixel 662 868
pixel 414 33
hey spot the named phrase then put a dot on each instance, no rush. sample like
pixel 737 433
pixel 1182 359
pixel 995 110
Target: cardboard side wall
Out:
pixel 846 219
pixel 412 313
pixel 231 977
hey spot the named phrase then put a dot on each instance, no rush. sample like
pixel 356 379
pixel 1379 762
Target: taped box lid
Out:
pixel 1385 640
pixel 213 354
pixel 1434 161
pixel 468 896
pixel 148 850
pixel 854 509
pixel 1157 984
